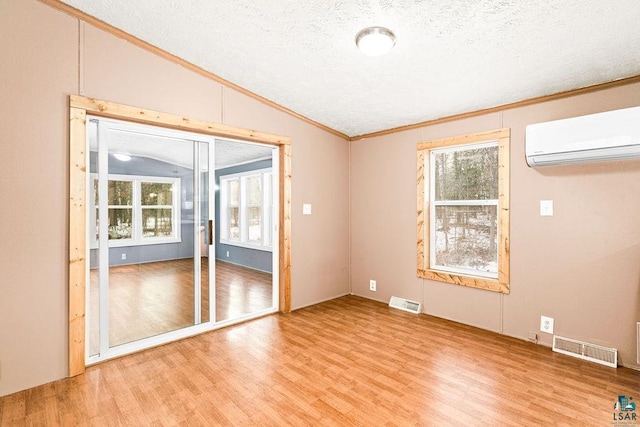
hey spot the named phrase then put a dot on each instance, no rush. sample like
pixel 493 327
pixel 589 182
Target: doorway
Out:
pixel 79 108
pixel 153 213
pixel 246 230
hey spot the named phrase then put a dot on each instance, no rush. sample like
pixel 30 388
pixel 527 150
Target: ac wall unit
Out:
pixel 612 135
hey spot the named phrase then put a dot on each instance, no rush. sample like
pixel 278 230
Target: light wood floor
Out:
pixel 154 298
pixel 349 361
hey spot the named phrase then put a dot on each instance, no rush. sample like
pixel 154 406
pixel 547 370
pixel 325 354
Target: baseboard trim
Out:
pixel 244 266
pixel 321 301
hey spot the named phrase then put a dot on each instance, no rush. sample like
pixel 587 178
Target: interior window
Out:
pixel 246 218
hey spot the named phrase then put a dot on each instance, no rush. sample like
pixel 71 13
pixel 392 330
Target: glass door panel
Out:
pixel 247 199
pixel 151 235
pixel 148 223
pixel 92 302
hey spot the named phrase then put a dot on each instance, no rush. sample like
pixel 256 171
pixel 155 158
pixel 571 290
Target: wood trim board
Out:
pixel 285 229
pixel 77 241
pixel 108 109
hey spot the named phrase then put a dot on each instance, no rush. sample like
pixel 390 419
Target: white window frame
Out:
pixel 225 205
pixel 136 218
pixel 266 243
pixel 436 203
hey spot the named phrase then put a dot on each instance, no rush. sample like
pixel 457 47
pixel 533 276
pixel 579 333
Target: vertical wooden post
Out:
pixel 77 241
pixel 504 163
pixel 285 228
pixel 420 238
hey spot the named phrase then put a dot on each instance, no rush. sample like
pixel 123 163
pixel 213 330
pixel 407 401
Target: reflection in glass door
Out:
pixel 150 233
pixel 246 229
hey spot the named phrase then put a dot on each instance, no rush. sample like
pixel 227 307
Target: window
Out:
pixel 233 209
pixel 245 207
pixel 141 210
pixel 254 209
pixel 120 213
pixel 463 210
pixel 157 209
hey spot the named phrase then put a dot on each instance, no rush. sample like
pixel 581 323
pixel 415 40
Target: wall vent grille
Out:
pixel 584 350
pixel 404 304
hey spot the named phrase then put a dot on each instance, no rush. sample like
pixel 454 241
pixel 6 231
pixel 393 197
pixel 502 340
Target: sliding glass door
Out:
pixel 180 240
pixel 150 220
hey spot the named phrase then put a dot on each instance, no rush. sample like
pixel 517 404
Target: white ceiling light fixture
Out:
pixel 122 157
pixel 375 41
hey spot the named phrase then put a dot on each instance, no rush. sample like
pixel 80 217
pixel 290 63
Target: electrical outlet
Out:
pixel 227 254
pixel 124 256
pixel 546 324
pixel 372 285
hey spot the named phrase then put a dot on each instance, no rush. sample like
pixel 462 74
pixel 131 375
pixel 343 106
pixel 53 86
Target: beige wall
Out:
pixel 46 56
pixel 581 266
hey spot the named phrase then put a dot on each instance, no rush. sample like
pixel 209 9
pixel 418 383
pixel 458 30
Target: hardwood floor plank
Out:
pixel 349 361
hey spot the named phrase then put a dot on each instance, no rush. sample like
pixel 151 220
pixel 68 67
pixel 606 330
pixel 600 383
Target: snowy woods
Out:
pixel 465 198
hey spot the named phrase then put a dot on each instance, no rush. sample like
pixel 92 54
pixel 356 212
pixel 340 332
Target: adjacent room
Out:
pixel 320 213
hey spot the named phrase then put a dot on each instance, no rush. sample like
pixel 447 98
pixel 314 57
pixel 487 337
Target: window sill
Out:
pixel 247 245
pixel 470 281
pixel 127 243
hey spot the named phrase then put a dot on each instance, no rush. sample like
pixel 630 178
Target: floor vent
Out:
pixel 404 304
pixel 583 350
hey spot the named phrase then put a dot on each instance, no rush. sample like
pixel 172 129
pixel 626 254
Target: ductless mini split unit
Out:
pixel 612 135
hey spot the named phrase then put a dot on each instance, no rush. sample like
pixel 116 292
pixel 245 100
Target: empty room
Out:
pixel 320 213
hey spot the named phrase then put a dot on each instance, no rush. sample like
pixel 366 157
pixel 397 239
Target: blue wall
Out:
pixel 252 258
pixel 158 252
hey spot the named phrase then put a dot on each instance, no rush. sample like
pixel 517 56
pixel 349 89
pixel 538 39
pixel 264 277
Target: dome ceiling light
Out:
pixel 375 41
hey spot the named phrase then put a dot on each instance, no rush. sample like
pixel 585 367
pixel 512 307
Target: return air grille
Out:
pixel 404 304
pixel 583 350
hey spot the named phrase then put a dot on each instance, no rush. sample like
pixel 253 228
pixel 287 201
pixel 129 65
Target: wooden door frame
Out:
pixel 79 107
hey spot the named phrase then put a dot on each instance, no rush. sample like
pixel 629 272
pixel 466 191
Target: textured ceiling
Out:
pixel 451 56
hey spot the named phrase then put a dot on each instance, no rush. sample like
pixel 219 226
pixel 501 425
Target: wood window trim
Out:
pixel 79 107
pixel 422 261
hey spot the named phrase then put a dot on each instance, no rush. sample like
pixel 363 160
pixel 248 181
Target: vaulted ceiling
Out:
pixel 451 56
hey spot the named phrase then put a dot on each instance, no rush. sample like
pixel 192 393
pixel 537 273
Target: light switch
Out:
pixel 546 207
pixel 306 209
